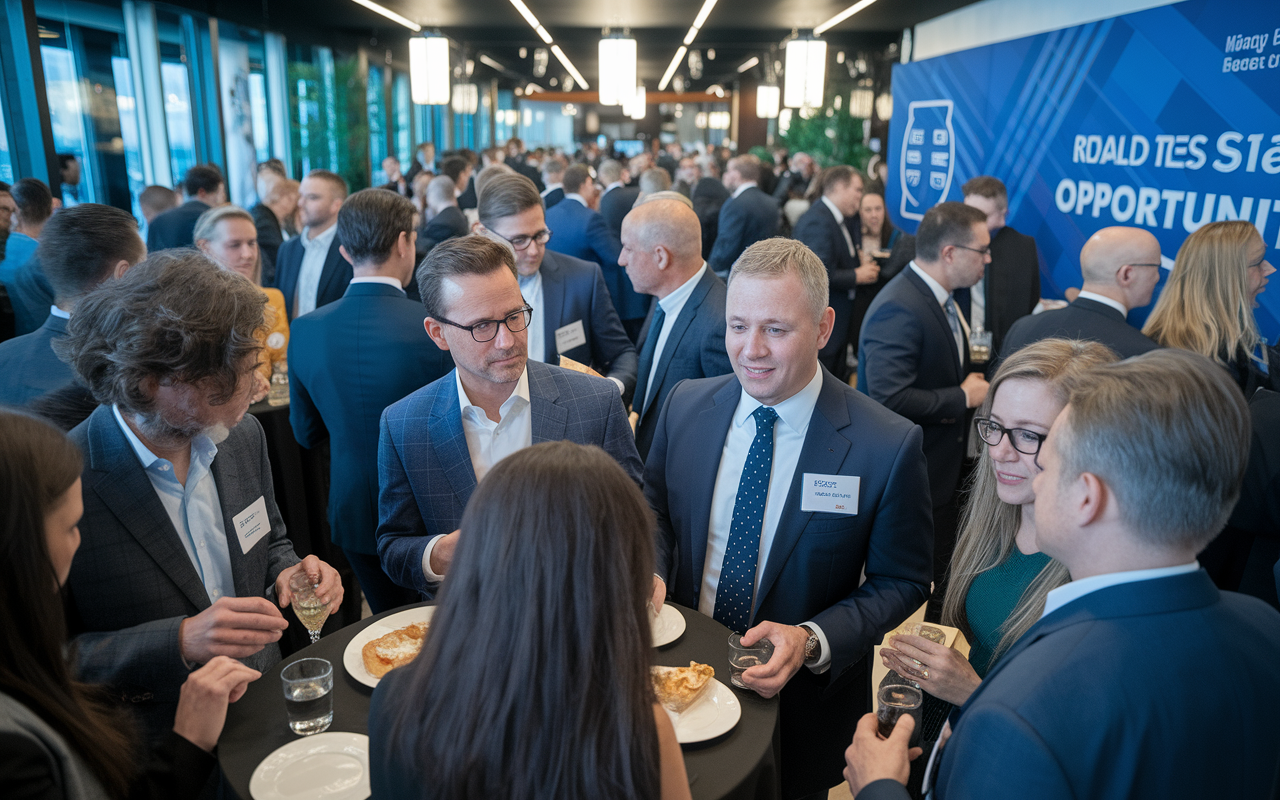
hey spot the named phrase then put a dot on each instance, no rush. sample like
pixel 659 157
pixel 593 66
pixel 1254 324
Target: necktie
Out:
pixel 848 239
pixel 648 355
pixel 953 319
pixel 734 592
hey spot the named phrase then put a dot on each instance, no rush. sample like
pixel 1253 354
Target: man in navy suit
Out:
pixel 684 335
pixel 553 168
pixel 748 216
pixel 573 315
pixel 310 270
pixel 1141 680
pixel 579 231
pixel 913 355
pixel 1121 267
pixel 437 443
pixel 205 188
pixel 351 359
pixel 79 248
pixel 775 490
pixel 618 196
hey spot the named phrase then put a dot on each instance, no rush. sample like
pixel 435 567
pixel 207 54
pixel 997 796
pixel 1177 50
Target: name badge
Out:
pixel 834 494
pixel 252 525
pixel 570 336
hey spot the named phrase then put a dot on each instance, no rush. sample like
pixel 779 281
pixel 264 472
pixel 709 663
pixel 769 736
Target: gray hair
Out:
pixel 610 171
pixel 773 258
pixel 654 179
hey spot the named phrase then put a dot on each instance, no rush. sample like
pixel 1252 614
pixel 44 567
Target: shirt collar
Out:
pixel 1106 301
pixel 521 393
pixel 201 445
pixel 939 293
pixel 742 188
pixel 57 312
pixel 1074 590
pixel 551 187
pixel 576 196
pixel 795 411
pixel 613 186
pixel 827 201
pixel 324 239
pixel 677 298
pixel 379 279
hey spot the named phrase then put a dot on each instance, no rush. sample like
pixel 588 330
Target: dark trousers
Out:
pixel 382 593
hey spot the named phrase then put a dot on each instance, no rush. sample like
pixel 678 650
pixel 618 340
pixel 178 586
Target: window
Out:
pixel 401 119
pixel 6 161
pixel 246 133
pixel 376 101
pixel 328 117
pixel 175 82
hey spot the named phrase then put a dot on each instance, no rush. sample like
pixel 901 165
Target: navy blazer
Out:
pixel 553 197
pixel 818 230
pixel 448 224
pixel 425 477
pixel 1083 319
pixel 694 349
pixel 582 233
pixel 348 361
pixel 615 204
pixel 708 196
pixel 573 290
pixel 334 277
pixel 31 295
pixel 744 220
pixel 175 227
pixel 908 361
pixel 29 365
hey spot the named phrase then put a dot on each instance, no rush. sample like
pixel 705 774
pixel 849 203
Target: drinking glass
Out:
pixel 894 700
pixel 311 611
pixel 308 695
pixel 742 658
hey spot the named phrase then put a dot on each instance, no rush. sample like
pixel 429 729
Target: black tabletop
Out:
pixel 741 765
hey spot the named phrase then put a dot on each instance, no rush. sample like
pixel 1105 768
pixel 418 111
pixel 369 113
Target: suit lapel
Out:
pixel 552 307
pixel 678 329
pixel 449 442
pixel 227 472
pixel 705 463
pixel 550 420
pixel 331 276
pixel 939 317
pixel 287 271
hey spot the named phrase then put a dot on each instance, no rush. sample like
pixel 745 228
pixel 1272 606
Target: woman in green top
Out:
pixel 999 578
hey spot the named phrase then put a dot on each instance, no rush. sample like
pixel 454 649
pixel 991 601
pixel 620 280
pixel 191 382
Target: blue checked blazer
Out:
pixel 425 476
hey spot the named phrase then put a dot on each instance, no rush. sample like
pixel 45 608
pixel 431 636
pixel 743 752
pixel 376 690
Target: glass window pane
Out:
pixel 375 99
pixel 351 121
pixel 402 126
pixel 6 161
pixel 242 84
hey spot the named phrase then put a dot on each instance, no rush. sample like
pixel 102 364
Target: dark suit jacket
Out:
pixel 614 205
pixel 132 584
pixel 582 233
pixel 468 197
pixel 790 184
pixel 907 361
pixel 573 290
pixel 694 349
pixel 175 227
pixel 1062 714
pixel 1083 319
pixel 333 278
pixel 820 232
pixel 523 167
pixel 29 366
pixel 449 223
pixel 425 477
pixel 744 220
pixel 1011 285
pixel 812 570
pixel 708 196
pixel 270 237
pixel 552 197
pixel 348 361
pixel 31 295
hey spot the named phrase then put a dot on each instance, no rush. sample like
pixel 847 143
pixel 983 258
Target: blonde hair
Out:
pixel 989 526
pixel 207 227
pixel 773 258
pixel 1206 306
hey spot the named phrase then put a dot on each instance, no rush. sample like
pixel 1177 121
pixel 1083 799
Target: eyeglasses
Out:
pixel 522 242
pixel 1140 265
pixel 984 252
pixel 1024 441
pixel 486 330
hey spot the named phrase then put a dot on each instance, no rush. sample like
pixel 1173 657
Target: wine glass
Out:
pixel 311 610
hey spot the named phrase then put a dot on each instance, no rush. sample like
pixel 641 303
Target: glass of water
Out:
pixel 895 700
pixel 308 695
pixel 743 658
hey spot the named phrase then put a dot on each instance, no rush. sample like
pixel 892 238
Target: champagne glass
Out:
pixel 311 610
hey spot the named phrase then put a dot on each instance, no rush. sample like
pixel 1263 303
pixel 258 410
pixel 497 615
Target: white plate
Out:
pixel 714 714
pixel 326 766
pixel 669 625
pixel 352 658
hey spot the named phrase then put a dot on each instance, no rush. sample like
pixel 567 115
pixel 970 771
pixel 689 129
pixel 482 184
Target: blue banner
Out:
pixel 1165 119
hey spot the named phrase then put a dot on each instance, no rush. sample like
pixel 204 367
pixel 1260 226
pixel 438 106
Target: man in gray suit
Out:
pixel 183 548
pixel 437 443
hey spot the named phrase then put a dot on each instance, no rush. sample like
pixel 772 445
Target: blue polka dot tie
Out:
pixel 737 583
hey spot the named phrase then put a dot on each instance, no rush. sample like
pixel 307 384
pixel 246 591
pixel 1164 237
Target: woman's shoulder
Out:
pixel 274 296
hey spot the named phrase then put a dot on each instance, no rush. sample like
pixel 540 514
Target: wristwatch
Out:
pixel 812 646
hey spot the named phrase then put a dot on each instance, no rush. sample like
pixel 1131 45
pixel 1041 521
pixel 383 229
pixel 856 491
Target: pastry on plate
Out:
pixel 393 650
pixel 677 688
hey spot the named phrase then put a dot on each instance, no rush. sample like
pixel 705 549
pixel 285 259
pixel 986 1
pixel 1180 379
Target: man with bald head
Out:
pixel 1121 267
pixel 684 334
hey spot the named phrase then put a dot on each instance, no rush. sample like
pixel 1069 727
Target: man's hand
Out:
pixel 322 576
pixel 870 758
pixel 940 670
pixel 261 387
pixel 233 626
pixel 659 593
pixel 867 273
pixel 975 390
pixel 202 703
pixel 442 552
pixel 788 656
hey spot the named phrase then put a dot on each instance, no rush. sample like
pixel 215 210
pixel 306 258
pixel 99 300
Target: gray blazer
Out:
pixel 131 582
pixel 23 729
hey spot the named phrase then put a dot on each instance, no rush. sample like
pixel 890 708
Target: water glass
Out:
pixel 308 695
pixel 742 658
pixel 895 700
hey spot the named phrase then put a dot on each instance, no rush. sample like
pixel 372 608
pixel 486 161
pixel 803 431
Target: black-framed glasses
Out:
pixel 984 252
pixel 486 330
pixel 523 241
pixel 1024 441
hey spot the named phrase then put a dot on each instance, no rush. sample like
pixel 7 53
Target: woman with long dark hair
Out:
pixel 534 679
pixel 60 738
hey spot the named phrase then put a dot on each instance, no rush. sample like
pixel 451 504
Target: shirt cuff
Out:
pixel 824 660
pixel 426 560
pixel 621 388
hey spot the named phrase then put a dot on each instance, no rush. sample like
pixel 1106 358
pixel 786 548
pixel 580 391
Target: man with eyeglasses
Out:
pixel 1120 267
pixel 436 444
pixel 573 315
pixel 913 355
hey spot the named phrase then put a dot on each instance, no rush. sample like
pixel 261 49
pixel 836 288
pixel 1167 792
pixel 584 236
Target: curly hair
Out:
pixel 177 317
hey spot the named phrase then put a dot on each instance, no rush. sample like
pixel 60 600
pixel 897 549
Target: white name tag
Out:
pixel 570 336
pixel 835 494
pixel 252 524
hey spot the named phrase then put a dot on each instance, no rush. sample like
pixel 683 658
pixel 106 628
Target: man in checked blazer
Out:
pixel 437 443
pixel 184 555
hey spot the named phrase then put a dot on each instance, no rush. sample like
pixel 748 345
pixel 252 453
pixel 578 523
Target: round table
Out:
pixel 740 765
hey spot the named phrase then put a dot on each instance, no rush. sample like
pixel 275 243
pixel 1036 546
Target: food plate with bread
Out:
pixel 391 642
pixel 701 707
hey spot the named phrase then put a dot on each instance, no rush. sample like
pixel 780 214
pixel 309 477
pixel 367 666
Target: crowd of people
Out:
pixel 560 391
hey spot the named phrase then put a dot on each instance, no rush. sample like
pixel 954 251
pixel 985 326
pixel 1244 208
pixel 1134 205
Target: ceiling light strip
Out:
pixel 671 68
pixel 568 65
pixel 748 64
pixel 841 17
pixel 391 15
pixel 698 22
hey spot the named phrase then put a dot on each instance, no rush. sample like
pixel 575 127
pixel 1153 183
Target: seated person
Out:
pixel 60 737
pixel 577 718
pixel 183 546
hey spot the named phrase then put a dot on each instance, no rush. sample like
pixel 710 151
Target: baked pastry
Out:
pixel 393 650
pixel 677 688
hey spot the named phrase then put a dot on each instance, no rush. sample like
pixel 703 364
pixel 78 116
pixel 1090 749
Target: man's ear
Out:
pixel 436 331
pixel 1093 499
pixel 342 248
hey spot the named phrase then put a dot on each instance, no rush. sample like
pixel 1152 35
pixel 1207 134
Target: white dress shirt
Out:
pixel 742 188
pixel 789 431
pixel 942 296
pixel 848 240
pixel 1106 301
pixel 379 279
pixel 531 288
pixel 551 187
pixel 1076 589
pixel 315 251
pixel 671 305
pixel 578 197
pixel 57 312
pixel 978 304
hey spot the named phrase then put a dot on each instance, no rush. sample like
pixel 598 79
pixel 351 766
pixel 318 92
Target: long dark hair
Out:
pixel 534 680
pixel 38 464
